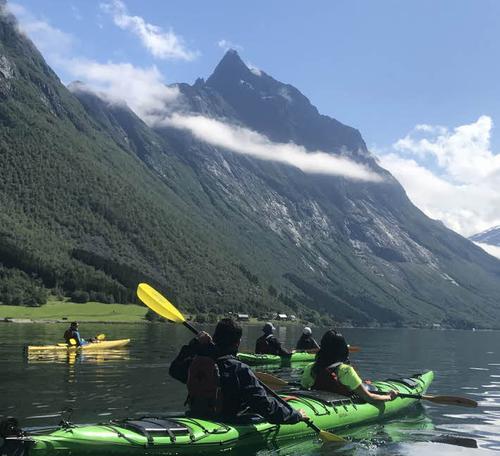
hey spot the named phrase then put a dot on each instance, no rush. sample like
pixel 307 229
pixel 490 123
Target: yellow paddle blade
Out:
pixel 158 303
pixel 101 336
pixel 326 436
pixel 72 341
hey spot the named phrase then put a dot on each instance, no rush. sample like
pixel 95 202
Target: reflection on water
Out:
pixel 134 381
pixel 72 357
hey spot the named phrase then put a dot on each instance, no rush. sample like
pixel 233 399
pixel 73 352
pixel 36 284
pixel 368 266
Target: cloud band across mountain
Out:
pixel 245 141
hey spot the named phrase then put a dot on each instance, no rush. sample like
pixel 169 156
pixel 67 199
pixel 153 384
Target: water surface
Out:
pixel 135 381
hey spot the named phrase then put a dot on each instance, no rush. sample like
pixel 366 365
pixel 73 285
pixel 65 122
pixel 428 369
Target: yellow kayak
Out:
pixel 103 345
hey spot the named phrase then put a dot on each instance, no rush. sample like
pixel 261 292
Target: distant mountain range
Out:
pixel 94 200
pixel 490 236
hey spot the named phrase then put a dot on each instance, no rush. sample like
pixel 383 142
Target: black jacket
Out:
pixel 268 344
pixel 241 390
pixel 307 342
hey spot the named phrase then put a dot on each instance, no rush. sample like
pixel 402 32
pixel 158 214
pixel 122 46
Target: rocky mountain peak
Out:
pixel 230 68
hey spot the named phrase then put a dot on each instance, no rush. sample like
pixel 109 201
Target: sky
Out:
pixel 419 78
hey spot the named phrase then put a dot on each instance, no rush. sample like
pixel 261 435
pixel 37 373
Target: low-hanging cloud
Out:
pixel 142 89
pixel 244 141
pixel 451 174
pixel 493 250
pixel 50 40
pixel 162 44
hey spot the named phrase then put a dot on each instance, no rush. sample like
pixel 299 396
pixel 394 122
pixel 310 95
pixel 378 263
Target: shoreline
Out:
pixel 28 321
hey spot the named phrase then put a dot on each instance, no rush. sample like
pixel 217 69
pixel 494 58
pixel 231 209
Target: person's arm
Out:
pixel 79 340
pixel 180 365
pixel 368 396
pixel 254 395
pixel 279 349
pixel 350 378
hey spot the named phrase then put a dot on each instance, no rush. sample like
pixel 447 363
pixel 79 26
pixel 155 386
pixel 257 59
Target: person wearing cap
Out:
pixel 307 341
pixel 73 333
pixel 268 344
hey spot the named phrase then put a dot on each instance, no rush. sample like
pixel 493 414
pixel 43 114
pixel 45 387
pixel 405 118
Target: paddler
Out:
pixel 222 387
pixel 268 343
pixel 331 371
pixel 73 333
pixel 307 341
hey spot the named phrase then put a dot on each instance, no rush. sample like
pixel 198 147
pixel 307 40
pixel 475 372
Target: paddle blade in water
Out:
pixel 326 436
pixel 158 303
pixel 451 400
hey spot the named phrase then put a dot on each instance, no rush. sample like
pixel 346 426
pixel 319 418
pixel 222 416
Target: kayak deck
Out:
pixel 94 346
pixel 253 359
pixel 183 435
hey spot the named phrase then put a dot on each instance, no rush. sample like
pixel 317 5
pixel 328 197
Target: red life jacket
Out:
pixel 327 380
pixel 204 389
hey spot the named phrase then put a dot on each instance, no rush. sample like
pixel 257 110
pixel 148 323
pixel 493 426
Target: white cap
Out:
pixel 307 331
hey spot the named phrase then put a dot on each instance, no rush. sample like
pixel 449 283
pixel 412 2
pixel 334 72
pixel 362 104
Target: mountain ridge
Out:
pixel 98 201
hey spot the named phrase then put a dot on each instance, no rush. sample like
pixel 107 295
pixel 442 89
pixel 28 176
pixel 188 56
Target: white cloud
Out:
pixel 452 175
pixel 491 249
pixel 226 45
pixel 162 44
pixel 142 89
pixel 244 141
pixel 48 39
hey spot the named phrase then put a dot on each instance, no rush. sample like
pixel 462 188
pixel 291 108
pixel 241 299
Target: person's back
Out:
pixel 268 344
pixel 73 333
pixel 236 387
pixel 332 371
pixel 306 341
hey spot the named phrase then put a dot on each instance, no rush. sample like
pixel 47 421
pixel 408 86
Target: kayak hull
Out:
pixel 103 345
pixel 190 436
pixel 253 359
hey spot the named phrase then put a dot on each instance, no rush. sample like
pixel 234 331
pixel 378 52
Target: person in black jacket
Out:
pixel 307 341
pixel 268 343
pixel 240 390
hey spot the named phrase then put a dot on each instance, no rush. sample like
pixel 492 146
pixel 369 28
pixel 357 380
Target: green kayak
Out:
pixel 252 359
pixel 191 436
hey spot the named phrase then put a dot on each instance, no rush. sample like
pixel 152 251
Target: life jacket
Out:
pixel 325 380
pixel 204 386
pixel 68 334
pixel 263 345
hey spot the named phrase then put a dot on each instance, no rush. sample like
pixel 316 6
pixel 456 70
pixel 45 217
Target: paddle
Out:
pixel 163 307
pixel 275 382
pixel 352 349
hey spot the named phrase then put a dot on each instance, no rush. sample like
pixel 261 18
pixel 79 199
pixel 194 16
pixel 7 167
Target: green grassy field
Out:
pixel 90 311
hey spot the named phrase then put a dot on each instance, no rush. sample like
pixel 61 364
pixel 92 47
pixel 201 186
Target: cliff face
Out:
pixel 94 199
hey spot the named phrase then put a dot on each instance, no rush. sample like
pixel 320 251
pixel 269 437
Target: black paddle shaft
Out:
pixel 279 398
pixel 190 327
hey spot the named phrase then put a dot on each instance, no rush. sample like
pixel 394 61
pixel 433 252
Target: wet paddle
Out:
pixel 275 382
pixel 163 307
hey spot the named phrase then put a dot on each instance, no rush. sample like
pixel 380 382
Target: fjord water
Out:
pixel 134 381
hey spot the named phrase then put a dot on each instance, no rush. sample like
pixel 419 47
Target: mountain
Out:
pixel 490 236
pixel 95 200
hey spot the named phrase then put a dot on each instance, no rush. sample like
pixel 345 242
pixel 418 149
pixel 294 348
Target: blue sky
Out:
pixel 386 67
pixel 381 66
